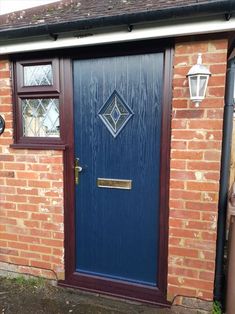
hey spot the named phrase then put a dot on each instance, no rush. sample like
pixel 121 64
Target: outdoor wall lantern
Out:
pixel 198 77
pixel 2 125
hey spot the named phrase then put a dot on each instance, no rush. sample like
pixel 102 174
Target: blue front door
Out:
pixel 117 117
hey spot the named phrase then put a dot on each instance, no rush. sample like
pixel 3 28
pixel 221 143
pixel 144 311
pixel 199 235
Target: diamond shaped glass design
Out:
pixel 38 75
pixel 115 114
pixel 40 117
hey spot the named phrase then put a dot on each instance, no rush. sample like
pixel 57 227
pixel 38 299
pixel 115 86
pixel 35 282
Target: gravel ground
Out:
pixel 36 297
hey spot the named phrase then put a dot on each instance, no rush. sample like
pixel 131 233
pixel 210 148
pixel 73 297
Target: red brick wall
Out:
pixel 31 200
pixel 195 167
pixel 31 187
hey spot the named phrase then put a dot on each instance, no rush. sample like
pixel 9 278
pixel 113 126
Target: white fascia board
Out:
pixel 139 32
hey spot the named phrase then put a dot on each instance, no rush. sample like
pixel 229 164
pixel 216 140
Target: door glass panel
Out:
pixel 38 75
pixel 115 114
pixel 40 117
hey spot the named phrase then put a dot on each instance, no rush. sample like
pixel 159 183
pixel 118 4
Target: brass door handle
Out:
pixel 77 169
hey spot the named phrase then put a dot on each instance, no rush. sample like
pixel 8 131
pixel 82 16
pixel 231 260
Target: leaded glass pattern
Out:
pixel 38 75
pixel 41 117
pixel 115 114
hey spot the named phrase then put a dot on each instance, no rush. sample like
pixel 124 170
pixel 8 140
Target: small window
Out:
pixel 40 117
pixel 38 107
pixel 38 75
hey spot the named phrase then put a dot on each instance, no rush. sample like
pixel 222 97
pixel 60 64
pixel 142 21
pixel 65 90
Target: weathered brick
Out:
pixel 185 214
pixel 41 264
pixel 189 114
pixel 186 272
pixel 202 186
pixel 18 245
pixel 183 233
pixel 23 193
pixel 40 249
pixel 195 162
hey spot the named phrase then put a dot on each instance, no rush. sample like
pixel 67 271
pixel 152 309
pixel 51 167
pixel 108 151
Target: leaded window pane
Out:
pixel 38 75
pixel 41 117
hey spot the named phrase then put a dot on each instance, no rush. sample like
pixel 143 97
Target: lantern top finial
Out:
pixel 199 68
pixel 199 58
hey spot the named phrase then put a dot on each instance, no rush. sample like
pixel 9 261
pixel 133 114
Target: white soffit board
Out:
pixel 139 32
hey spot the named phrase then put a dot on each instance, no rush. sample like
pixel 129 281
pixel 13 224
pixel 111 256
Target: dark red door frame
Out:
pixel 156 295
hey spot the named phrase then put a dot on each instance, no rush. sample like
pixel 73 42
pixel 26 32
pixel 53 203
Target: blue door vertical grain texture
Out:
pixel 117 230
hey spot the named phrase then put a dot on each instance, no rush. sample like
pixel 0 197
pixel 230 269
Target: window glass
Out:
pixel 38 103
pixel 40 117
pixel 38 75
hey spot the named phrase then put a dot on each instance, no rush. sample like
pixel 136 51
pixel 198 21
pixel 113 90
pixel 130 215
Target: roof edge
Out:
pixel 206 9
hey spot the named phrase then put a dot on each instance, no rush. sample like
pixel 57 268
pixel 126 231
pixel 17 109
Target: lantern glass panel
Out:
pixel 202 86
pixel 193 86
